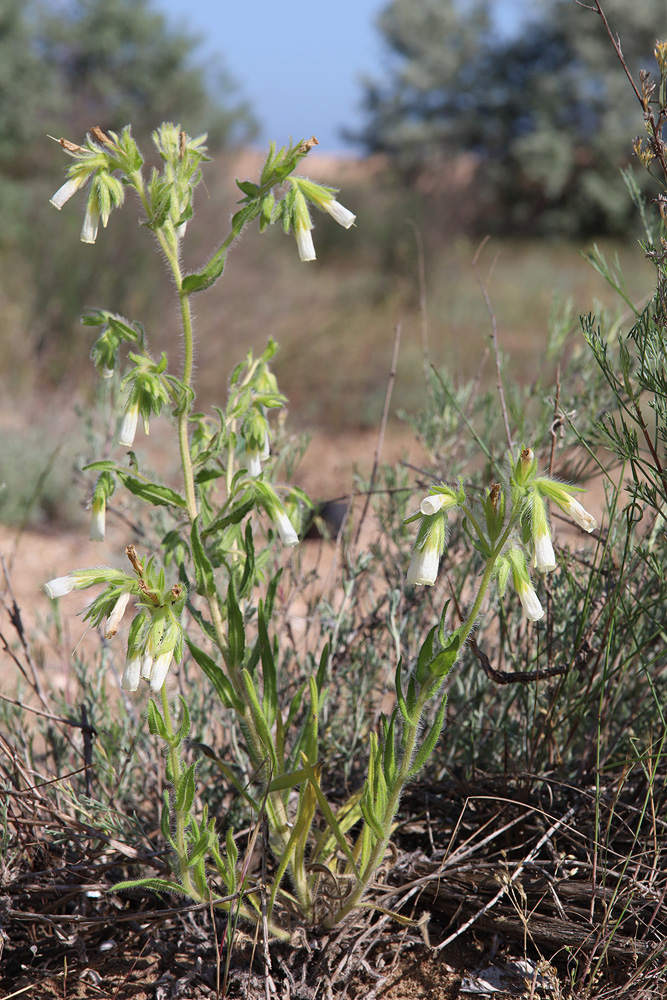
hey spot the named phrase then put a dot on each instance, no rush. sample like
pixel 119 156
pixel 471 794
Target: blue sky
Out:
pixel 298 64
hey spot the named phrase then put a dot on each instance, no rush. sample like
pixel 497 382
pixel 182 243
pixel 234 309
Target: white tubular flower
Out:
pixel 544 557
pixel 423 568
pixel 429 546
pixel 252 461
pixel 530 602
pixel 98 519
pixel 304 242
pixel 432 504
pixel 68 189
pixel 59 587
pixel 160 670
pixel 128 428
pixel 132 673
pixel 562 495
pixel 343 216
pixel 146 666
pixel 579 514
pixel 285 528
pixel 91 221
pixel 114 619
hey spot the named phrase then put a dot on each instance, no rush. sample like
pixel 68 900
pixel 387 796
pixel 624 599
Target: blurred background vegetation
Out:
pixel 467 134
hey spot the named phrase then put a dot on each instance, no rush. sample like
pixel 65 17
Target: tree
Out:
pixel 94 62
pixel 118 61
pixel 548 114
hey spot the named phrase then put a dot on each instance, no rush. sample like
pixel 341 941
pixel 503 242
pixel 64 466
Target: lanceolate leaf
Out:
pixel 432 737
pixel 204 578
pixel 153 493
pixel 155 884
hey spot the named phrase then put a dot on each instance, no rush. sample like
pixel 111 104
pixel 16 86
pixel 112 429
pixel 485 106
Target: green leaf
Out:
pixel 185 793
pixel 398 683
pixel 389 755
pixel 204 577
pixel 446 658
pixel 155 884
pixel 236 627
pixel 232 516
pixel 261 723
pixel 270 698
pixel 216 676
pixel 248 577
pixel 156 724
pixel 291 779
pixel 369 816
pixel 105 466
pixel 252 190
pixel 184 728
pixel 430 741
pixel 208 275
pixel 153 493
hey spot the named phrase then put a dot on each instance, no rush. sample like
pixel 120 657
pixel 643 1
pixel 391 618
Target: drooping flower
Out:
pixel 91 222
pixel 530 602
pixel 67 190
pixel 128 428
pixel 284 527
pixel 59 587
pixel 97 520
pixel 324 198
pixel 429 546
pixel 561 494
pixel 544 558
pixel 160 669
pixel 132 673
pixel 304 241
pixel 114 619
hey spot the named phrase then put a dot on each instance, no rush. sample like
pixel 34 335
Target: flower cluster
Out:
pixel 298 215
pixel 156 633
pixel 507 536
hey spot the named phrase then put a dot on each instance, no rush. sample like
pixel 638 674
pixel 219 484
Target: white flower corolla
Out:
pixel 252 462
pixel 147 665
pixel 285 528
pixel 128 428
pixel 91 222
pixel 114 619
pixel 160 670
pixel 343 216
pixel 530 602
pixel 304 241
pixel 423 568
pixel 67 190
pixel 59 587
pixel 132 673
pixel 544 557
pixel 562 495
pixel 579 514
pixel 429 546
pixel 98 520
pixel 432 504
